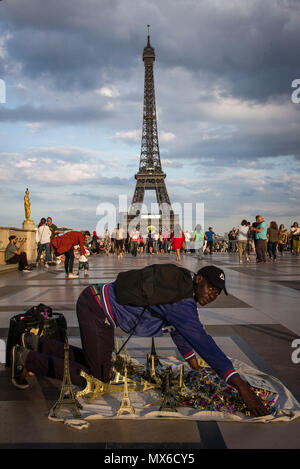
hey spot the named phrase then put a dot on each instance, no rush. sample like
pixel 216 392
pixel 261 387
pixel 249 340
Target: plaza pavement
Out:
pixel 256 324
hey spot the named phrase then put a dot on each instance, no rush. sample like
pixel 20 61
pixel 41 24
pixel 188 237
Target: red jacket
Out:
pixel 62 244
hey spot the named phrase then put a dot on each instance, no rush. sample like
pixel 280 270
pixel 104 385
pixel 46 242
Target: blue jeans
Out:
pixel 198 250
pixel 272 249
pixel 41 248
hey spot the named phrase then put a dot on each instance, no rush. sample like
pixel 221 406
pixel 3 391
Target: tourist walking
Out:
pixel 210 236
pixel 119 240
pixel 141 245
pixel 134 240
pixel 107 242
pixel 65 245
pixel 198 240
pixel 150 242
pixel 54 232
pixel 166 240
pixel 282 239
pixel 250 239
pixel 242 241
pixel 155 242
pixel 95 248
pixel 177 241
pixel 160 244
pixel 127 244
pixel 232 237
pixel 260 238
pixel 295 238
pixel 188 238
pixel 272 234
pixel 43 238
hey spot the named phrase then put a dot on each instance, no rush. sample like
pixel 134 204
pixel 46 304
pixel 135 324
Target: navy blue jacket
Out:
pixel 180 319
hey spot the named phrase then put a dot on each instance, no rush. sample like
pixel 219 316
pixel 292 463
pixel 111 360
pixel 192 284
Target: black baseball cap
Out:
pixel 214 275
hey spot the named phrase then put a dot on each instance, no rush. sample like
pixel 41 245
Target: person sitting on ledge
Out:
pixel 15 255
pixel 99 313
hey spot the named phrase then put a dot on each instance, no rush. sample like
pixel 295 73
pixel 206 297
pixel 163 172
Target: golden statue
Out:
pixel 27 205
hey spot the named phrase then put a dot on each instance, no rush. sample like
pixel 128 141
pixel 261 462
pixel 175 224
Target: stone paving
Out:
pixel 256 324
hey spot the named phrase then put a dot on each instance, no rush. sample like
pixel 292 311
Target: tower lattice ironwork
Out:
pixel 150 175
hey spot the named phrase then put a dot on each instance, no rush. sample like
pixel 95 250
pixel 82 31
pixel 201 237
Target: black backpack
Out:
pixel 153 285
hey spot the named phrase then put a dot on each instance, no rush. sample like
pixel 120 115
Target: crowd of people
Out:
pixel 266 242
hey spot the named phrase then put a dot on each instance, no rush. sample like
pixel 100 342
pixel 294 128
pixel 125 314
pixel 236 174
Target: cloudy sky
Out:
pixel 70 126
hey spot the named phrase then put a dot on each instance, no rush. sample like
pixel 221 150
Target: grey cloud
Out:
pixel 249 46
pixel 29 113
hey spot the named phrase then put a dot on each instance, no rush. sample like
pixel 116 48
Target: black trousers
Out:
pixel 260 250
pixel 97 338
pixel 20 259
pixel 69 261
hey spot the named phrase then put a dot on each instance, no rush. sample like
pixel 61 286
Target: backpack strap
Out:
pixel 133 330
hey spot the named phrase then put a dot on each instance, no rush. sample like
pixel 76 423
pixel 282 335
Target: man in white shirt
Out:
pixel 134 238
pixel 187 236
pixel 119 240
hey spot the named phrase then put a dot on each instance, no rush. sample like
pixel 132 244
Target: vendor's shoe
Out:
pixel 30 341
pixel 18 371
pixel 72 276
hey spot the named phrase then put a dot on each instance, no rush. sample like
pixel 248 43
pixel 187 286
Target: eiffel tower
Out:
pixel 150 175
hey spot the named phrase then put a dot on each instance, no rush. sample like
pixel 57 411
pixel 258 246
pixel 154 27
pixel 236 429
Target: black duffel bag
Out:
pixel 40 320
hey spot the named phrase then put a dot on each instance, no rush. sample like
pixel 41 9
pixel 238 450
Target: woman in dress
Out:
pixel 177 241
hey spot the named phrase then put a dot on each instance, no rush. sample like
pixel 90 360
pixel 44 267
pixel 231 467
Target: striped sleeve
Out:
pixel 183 346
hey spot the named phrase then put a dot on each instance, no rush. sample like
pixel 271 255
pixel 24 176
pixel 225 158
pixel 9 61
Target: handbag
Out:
pixel 39 320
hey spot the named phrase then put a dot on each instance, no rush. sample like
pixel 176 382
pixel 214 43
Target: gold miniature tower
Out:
pixel 181 378
pixel 125 407
pixel 67 397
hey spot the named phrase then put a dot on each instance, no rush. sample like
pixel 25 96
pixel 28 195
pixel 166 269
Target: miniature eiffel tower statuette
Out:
pixel 127 356
pixel 181 383
pixel 94 387
pixel 117 345
pixel 153 352
pixel 125 407
pixel 168 404
pixel 67 397
pixel 153 374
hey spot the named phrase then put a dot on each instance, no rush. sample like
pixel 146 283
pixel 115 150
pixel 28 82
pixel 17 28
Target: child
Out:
pixel 83 263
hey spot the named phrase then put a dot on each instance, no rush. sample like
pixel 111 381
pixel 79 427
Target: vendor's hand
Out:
pixel 194 364
pixel 252 401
